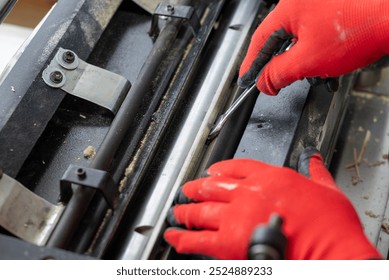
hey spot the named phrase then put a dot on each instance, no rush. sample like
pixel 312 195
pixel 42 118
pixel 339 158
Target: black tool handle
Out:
pixel 268 242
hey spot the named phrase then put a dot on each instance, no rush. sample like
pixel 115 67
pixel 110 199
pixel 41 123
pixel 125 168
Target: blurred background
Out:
pixel 19 24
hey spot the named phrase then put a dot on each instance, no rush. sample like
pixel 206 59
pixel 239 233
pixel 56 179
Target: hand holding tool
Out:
pixel 279 45
pixel 241 194
pixel 332 38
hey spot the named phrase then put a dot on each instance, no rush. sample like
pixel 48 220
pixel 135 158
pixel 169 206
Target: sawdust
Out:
pixel 385 227
pixel 355 180
pixel 89 152
pixel 371 214
pixel 107 217
pixel 53 41
pixel 102 11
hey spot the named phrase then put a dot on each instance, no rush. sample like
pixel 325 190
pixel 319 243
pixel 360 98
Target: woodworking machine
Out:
pixel 106 110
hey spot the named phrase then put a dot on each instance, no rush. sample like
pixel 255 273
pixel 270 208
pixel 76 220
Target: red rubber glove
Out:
pixel 319 221
pixel 332 38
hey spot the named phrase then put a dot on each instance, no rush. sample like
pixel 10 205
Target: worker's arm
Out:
pixel 241 194
pixel 332 38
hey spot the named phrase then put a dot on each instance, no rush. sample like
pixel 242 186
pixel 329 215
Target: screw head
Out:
pixel 80 172
pixel 68 57
pixel 170 9
pixel 56 77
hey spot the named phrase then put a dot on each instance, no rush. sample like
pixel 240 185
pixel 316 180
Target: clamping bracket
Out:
pixel 186 13
pixel 90 178
pixel 76 77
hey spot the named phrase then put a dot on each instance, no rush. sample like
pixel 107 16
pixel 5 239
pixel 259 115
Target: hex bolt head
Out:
pixel 80 172
pixel 170 9
pixel 68 57
pixel 56 77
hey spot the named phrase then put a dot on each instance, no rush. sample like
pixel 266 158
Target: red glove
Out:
pixel 332 38
pixel 319 221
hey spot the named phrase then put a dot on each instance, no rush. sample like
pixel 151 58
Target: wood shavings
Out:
pixel 375 163
pixel 355 180
pixel 371 214
pixel 358 158
pixel 360 129
pixel 356 162
pixel 89 152
pixel 385 227
pixel 361 152
pixel 364 144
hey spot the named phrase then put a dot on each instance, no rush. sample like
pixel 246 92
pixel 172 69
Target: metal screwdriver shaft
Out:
pixel 223 118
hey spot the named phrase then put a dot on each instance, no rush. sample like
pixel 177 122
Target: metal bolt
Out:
pixel 56 77
pixel 80 172
pixel 68 57
pixel 170 9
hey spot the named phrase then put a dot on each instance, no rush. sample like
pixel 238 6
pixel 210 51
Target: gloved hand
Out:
pixel 332 38
pixel 240 194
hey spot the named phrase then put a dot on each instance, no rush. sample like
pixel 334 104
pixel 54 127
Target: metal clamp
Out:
pixel 187 13
pixel 90 178
pixel 73 75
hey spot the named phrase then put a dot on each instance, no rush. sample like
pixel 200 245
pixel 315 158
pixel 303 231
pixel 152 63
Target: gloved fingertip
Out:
pixel 303 165
pixel 181 198
pixel 171 218
pixel 172 235
pixel 204 174
pixel 265 85
pixel 173 229
pixel 244 83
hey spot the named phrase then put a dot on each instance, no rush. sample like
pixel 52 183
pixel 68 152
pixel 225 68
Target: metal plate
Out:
pixel 86 81
pixel 25 214
pixel 271 128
